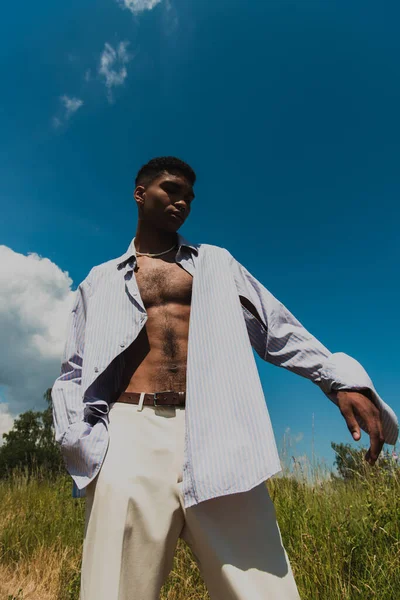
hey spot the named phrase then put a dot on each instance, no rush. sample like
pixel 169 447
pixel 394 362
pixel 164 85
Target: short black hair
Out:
pixel 156 166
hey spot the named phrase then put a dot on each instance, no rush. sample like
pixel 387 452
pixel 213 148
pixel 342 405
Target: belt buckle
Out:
pixel 155 400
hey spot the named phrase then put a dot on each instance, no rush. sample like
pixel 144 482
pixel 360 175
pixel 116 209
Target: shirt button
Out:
pixel 96 369
pixel 122 345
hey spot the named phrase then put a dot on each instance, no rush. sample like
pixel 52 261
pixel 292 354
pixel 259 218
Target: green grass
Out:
pixel 343 539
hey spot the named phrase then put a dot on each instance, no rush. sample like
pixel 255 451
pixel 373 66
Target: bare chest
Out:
pixel 161 282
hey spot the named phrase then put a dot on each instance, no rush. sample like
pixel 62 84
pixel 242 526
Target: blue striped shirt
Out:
pixel 229 441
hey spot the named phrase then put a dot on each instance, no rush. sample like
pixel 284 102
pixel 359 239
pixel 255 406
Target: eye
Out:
pixel 170 188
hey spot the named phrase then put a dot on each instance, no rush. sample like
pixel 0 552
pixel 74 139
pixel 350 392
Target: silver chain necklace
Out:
pixel 153 255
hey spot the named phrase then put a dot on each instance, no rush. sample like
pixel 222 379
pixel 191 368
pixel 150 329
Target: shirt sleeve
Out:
pixel 74 419
pixel 68 406
pixel 282 340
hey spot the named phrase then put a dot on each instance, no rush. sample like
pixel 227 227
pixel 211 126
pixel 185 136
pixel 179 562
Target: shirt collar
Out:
pixel 131 252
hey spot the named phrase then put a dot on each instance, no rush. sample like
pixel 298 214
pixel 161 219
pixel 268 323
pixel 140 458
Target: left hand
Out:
pixel 355 403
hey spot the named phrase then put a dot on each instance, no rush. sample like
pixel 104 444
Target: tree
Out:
pixel 350 461
pixel 31 443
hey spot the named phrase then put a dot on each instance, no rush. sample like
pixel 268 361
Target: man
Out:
pixel 160 413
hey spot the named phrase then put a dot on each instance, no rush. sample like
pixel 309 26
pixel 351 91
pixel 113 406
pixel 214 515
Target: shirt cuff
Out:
pixel 342 372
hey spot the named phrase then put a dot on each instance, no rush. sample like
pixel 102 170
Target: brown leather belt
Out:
pixel 157 399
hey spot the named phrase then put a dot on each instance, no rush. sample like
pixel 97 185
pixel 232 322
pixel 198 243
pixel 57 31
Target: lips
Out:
pixel 178 216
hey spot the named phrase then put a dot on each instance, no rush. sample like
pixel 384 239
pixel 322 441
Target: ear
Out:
pixel 138 194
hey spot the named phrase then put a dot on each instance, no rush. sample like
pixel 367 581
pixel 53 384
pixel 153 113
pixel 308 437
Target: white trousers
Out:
pixel 135 515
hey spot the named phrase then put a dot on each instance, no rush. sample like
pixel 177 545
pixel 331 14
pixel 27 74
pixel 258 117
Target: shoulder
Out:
pixel 214 249
pixel 102 270
pixel 224 252
pixel 222 255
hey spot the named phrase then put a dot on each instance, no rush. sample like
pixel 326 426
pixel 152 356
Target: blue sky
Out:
pixel 289 114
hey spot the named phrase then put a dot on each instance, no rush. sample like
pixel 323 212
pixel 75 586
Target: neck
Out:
pixel 151 241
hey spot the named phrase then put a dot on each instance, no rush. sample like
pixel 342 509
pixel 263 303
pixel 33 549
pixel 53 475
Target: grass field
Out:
pixel 343 540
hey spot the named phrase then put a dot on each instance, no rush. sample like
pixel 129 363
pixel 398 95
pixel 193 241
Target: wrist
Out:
pixel 364 391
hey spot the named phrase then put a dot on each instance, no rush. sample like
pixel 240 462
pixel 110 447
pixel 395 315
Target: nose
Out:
pixel 181 206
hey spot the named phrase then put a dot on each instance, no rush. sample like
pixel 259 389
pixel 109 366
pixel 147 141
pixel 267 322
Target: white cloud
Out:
pixel 170 15
pixel 35 301
pixel 69 107
pixel 138 6
pixel 297 437
pixel 6 421
pixel 112 65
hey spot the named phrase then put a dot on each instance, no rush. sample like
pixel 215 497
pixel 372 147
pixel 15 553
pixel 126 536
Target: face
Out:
pixel 165 200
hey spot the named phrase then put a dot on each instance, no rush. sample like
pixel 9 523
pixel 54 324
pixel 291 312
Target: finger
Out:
pixel 377 440
pixel 352 424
